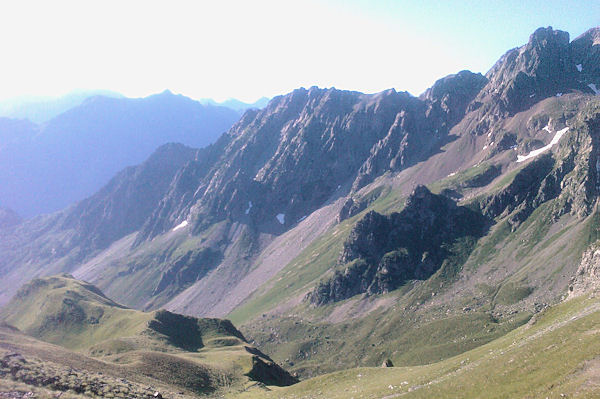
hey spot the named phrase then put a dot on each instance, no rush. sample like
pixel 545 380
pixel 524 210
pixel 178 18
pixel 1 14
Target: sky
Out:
pixel 249 49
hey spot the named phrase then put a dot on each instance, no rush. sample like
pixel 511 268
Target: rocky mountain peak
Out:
pixel 463 82
pixel 591 36
pixel 523 76
pixel 545 37
pixel 585 50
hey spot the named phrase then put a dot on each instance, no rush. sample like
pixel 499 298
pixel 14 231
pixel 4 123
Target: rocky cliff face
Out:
pixel 548 65
pixel 281 163
pixel 421 128
pixel 383 252
pixel 587 278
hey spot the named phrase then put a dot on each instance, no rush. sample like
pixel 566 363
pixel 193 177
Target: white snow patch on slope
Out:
pixel 593 87
pixel 579 67
pixel 180 225
pixel 534 153
pixel 281 218
pixel 547 128
pixel 249 207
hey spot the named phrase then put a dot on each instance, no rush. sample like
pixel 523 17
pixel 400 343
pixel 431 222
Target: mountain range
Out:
pixel 41 109
pixel 44 168
pixel 453 234
pixel 237 104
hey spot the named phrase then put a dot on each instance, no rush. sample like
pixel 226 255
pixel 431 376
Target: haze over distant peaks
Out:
pixel 46 167
pixel 237 104
pixel 40 109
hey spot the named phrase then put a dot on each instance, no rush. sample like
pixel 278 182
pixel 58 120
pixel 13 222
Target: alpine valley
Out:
pixel 452 238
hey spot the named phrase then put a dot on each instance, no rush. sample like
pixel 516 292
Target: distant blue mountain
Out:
pixel 237 104
pixel 46 167
pixel 42 109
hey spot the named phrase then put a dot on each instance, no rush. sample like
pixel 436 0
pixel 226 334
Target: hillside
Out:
pixel 339 229
pixel 210 355
pixel 553 356
pixel 75 153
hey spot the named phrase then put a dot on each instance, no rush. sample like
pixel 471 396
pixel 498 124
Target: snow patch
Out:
pixel 547 128
pixel 485 146
pixel 559 94
pixel 180 225
pixel 594 88
pixel 249 207
pixel 453 173
pixel 534 153
pixel 532 95
pixel 281 218
pixel 579 67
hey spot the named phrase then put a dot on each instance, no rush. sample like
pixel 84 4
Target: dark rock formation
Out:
pixel 383 252
pixel 187 269
pixel 572 178
pixel 522 192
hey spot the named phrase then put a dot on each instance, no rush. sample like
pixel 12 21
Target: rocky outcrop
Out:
pixel 383 252
pixel 571 178
pixel 187 269
pixel 587 277
pixel 523 193
pixel 354 205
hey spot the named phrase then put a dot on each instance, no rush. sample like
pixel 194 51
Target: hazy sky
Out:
pixel 252 48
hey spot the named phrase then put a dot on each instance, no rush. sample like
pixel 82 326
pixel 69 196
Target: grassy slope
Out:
pixel 556 354
pixel 197 355
pixel 311 265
